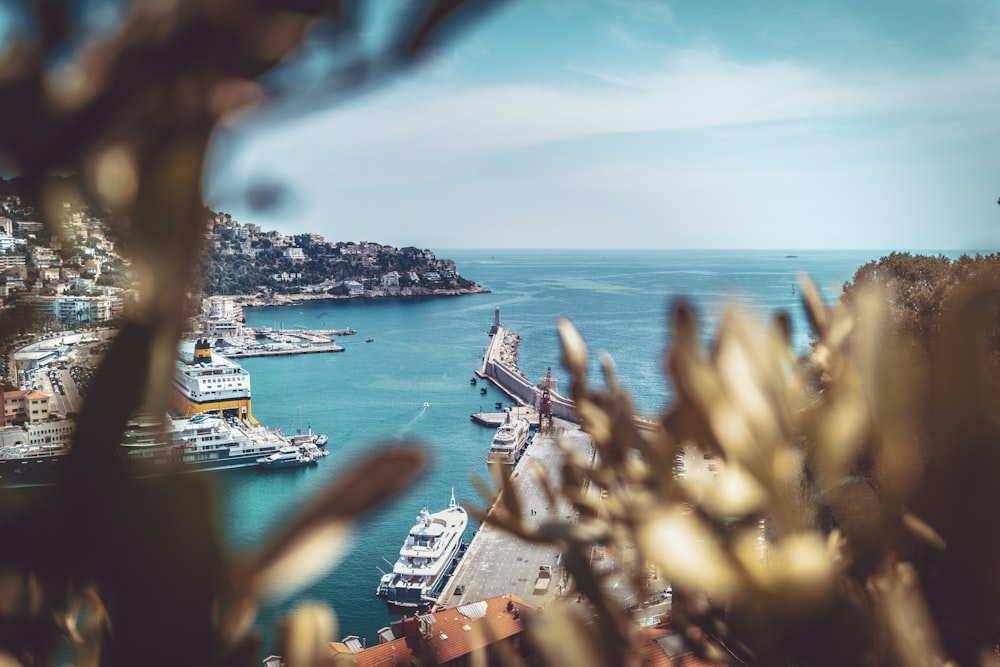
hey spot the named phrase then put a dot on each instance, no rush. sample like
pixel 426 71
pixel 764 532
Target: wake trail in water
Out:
pixel 405 427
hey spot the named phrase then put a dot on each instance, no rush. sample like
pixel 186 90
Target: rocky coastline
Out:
pixel 409 293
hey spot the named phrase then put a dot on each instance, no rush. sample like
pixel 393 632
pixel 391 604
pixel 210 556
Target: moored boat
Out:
pixel 287 457
pixel 510 440
pixel 427 556
pixel 202 442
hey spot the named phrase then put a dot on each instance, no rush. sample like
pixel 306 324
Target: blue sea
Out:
pixel 412 380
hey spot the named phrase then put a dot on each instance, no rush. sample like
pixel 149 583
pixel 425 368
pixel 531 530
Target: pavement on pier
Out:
pixel 497 562
pixel 494 419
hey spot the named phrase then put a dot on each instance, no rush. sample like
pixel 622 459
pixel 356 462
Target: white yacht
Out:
pixel 510 440
pixel 428 554
pixel 287 457
pixel 202 442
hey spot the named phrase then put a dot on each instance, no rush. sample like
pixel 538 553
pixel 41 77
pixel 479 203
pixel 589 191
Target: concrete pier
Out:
pixel 260 352
pixel 494 419
pixel 500 368
pixel 497 562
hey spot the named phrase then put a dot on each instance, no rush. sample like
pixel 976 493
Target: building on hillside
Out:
pixel 28 227
pixel 222 318
pixel 42 258
pixel 390 279
pixel 72 310
pixel 354 288
pixel 295 255
pixel 11 260
pixel 449 637
pixel 25 405
pixel 222 308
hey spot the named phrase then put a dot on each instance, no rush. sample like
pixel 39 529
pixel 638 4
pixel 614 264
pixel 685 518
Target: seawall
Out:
pixel 500 368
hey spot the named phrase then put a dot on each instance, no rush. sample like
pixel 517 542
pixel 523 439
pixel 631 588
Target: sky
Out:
pixel 651 124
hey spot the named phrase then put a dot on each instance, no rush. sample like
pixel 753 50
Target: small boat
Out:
pixel 473 382
pixel 308 439
pixel 369 340
pixel 287 457
pixel 483 390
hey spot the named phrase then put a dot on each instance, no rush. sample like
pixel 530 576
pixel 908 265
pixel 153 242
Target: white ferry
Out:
pixel 510 440
pixel 205 382
pixel 428 554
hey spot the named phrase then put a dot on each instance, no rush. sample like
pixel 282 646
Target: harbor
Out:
pixel 495 562
pixel 266 351
pixel 266 342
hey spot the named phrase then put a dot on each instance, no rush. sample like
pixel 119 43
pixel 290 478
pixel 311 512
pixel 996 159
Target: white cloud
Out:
pixel 696 89
pixel 468 153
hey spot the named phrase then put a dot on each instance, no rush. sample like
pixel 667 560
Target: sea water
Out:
pixel 412 381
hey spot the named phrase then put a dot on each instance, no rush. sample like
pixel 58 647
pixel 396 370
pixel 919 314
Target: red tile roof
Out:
pixel 655 655
pixel 454 633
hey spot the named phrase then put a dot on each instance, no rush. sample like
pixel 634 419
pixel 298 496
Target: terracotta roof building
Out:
pixel 447 637
pixel 665 648
pixel 29 405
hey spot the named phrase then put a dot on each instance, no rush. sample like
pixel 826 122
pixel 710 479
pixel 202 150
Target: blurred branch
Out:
pixel 136 571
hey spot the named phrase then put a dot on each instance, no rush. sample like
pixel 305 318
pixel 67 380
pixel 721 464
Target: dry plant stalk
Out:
pixel 846 522
pixel 108 569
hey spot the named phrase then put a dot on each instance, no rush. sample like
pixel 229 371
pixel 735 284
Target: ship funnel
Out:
pixel 202 351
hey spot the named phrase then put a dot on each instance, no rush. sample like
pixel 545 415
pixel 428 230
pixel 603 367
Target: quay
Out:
pixel 500 368
pixel 496 562
pixel 494 419
pixel 263 352
pixel 305 333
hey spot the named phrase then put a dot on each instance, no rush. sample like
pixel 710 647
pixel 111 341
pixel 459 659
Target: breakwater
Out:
pixel 500 368
pixel 262 352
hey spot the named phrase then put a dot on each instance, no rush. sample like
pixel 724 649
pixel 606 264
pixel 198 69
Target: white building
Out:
pixel 390 279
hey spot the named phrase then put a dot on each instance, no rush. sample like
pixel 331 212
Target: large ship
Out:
pixel 212 428
pixel 510 440
pixel 202 442
pixel 427 556
pixel 205 382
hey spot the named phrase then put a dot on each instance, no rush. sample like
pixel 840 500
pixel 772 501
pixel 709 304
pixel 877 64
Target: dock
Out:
pixel 497 563
pixel 494 419
pixel 263 352
pixel 267 342
pixel 500 368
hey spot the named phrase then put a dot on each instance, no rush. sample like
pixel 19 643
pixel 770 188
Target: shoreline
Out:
pixel 291 299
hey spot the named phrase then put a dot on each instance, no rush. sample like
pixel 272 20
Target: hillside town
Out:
pixel 77 278
pixel 72 279
pixel 273 267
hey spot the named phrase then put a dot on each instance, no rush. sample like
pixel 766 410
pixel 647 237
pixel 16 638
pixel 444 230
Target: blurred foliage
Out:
pixel 849 524
pixel 845 514
pixel 103 569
